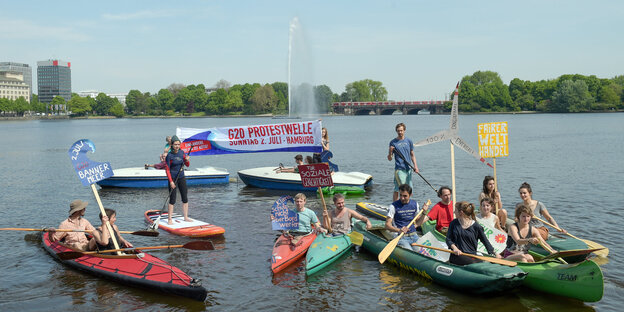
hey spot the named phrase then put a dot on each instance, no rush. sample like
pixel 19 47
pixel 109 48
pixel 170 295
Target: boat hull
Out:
pixel 138 270
pixel 373 210
pixel 152 178
pixel 180 227
pixel 325 250
pixel 478 278
pixel 284 253
pixel 268 178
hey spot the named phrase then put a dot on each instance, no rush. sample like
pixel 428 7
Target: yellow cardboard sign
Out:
pixel 493 139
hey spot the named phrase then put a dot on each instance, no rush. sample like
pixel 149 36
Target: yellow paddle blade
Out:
pixel 603 252
pixel 385 253
pixel 356 238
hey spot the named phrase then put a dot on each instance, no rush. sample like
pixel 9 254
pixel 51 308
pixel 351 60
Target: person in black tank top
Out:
pixel 103 237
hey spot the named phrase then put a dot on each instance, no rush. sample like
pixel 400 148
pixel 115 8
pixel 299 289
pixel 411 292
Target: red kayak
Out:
pixel 195 228
pixel 286 252
pixel 140 270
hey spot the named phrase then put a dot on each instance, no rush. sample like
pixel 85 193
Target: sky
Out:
pixel 418 49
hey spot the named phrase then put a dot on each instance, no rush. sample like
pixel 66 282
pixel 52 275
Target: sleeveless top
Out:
pixel 342 224
pixel 537 212
pixel 487 221
pixel 110 245
pixel 404 214
pixel 513 246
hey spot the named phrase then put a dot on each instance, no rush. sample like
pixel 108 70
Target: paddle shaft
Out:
pixel 194 245
pixel 489 259
pixel 326 217
pixel 68 230
pixel 410 165
pixel 155 224
pixel 108 225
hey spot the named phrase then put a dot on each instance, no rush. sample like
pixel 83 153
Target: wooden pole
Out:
pixel 495 189
pixel 453 176
pixel 327 218
pixel 110 228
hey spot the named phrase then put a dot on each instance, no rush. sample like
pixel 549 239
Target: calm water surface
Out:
pixel 573 162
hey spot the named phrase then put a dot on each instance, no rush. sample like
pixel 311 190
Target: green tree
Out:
pixel 164 99
pixel 78 105
pixel 58 104
pixel 234 101
pixel 4 106
pixel 135 102
pixel 609 96
pixel 263 100
pixel 572 96
pixel 117 110
pixel 281 91
pixel 217 102
pixel 103 104
pixel 323 97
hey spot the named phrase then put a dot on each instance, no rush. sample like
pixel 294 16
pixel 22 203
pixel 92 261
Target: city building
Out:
pixel 12 86
pixel 53 78
pixel 24 69
pixel 94 93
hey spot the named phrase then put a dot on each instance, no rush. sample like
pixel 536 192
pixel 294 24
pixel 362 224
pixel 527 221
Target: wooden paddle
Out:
pixel 385 253
pixel 193 245
pixel 602 250
pixel 140 232
pixel 488 259
pixel 356 237
pixel 410 165
pixel 570 253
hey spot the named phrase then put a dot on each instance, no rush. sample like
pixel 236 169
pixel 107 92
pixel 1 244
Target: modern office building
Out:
pixel 53 78
pixel 24 69
pixel 12 86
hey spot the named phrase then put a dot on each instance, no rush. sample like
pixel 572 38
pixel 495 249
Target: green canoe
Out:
pixel 479 278
pixel 325 250
pixel 582 280
pixel 342 189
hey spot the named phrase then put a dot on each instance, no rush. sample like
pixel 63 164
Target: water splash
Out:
pixel 301 99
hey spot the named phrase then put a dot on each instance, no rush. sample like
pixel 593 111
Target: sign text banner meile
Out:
pixel 303 136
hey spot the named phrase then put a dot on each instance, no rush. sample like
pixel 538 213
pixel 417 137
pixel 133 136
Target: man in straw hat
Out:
pixel 76 221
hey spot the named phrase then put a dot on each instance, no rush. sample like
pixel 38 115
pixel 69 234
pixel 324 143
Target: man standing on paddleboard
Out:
pixel 402 169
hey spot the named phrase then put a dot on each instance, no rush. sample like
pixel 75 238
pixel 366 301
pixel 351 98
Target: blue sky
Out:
pixel 417 49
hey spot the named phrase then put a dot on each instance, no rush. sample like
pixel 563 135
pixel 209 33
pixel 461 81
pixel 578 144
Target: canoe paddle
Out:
pixel 356 237
pixel 385 253
pixel 570 253
pixel 602 251
pixel 140 232
pixel 193 245
pixel 488 259
pixel 410 165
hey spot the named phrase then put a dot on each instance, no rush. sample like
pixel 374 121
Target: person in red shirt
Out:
pixel 442 212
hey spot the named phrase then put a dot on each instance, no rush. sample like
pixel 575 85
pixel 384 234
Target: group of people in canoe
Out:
pixel 459 222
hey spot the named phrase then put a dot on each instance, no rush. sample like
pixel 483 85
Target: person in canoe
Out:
pixel 102 236
pixel 485 214
pixel 400 215
pixel 75 221
pixel 489 190
pixel 295 169
pixel 402 170
pixel 442 212
pixel 526 194
pixel 175 162
pixel 307 219
pixel 521 235
pixel 463 235
pixel 341 217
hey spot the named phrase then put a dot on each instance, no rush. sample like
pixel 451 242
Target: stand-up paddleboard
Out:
pixel 180 227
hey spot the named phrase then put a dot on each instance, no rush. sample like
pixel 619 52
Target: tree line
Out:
pixel 483 91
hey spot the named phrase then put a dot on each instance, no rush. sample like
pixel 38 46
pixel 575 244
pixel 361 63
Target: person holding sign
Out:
pixel 489 190
pixel 463 235
pixel 485 214
pixel 175 161
pixel 341 217
pixel 526 194
pixel 442 212
pixel 307 217
pixel 75 221
pixel 400 215
pixel 522 235
pixel 102 236
pixel 402 170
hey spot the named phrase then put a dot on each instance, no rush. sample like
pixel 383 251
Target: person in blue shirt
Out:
pixel 402 170
pixel 175 161
pixel 400 215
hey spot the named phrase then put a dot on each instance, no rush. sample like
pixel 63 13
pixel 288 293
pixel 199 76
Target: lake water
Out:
pixel 572 161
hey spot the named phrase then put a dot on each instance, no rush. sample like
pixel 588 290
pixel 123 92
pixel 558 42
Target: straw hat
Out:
pixel 77 205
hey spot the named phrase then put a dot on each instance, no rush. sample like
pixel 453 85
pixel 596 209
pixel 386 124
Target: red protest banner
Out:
pixel 315 175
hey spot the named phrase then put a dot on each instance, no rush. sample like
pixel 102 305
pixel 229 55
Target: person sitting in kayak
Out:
pixel 442 212
pixel 537 207
pixel 307 218
pixel 489 190
pixel 400 215
pixel 298 160
pixel 341 217
pixel 521 235
pixel 75 221
pixel 485 214
pixel 463 235
pixel 102 236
